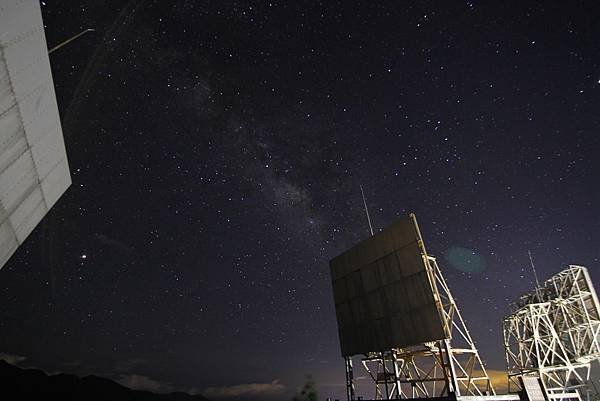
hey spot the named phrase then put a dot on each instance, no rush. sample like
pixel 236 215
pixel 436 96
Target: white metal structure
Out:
pixel 443 368
pixel 554 334
pixel 430 352
pixel 34 171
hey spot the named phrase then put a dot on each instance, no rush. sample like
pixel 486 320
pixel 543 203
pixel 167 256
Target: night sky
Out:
pixel 217 150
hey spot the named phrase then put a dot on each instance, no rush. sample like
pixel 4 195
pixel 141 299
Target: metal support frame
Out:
pixel 554 334
pixel 350 390
pixel 448 367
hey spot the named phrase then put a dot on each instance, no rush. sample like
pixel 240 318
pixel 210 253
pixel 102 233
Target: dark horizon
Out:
pixel 216 153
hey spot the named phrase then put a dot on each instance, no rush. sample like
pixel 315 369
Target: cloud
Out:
pixel 245 390
pixel 12 359
pixel 71 364
pixel 128 365
pixel 140 382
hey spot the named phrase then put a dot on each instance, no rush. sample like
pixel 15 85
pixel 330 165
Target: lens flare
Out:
pixel 464 259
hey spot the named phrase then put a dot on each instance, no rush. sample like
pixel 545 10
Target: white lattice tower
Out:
pixel 576 315
pixel 535 347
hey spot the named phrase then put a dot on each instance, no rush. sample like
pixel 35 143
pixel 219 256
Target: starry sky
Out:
pixel 217 148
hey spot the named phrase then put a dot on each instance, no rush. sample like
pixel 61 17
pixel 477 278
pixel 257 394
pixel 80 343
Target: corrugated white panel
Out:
pixel 34 171
pixel 8 240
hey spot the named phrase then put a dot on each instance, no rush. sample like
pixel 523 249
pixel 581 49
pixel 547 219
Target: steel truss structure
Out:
pixel 554 334
pixel 448 367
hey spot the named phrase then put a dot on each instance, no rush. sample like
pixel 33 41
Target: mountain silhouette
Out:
pixel 29 384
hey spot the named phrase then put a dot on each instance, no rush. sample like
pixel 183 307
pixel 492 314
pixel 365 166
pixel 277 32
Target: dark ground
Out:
pixel 31 383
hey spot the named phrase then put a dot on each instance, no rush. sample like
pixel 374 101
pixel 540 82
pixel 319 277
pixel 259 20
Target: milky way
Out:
pixel 217 152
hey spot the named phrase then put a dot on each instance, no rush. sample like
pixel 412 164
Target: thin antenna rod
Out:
pixel 58 46
pixel 537 282
pixel 366 209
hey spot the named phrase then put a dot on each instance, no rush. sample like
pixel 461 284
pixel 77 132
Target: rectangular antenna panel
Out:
pixel 385 292
pixel 34 171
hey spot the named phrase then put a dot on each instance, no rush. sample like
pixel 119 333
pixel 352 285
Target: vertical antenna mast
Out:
pixel 537 282
pixel 366 209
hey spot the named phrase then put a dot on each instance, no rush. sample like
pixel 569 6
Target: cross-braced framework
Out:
pixel 435 369
pixel 554 334
pixel 534 348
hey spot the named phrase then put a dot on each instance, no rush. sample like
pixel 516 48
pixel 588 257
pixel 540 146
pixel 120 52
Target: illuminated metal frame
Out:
pixel 554 334
pixel 448 367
